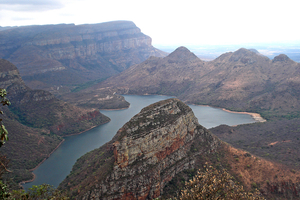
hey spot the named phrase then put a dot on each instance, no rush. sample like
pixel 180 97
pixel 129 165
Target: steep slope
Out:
pixel 171 75
pixel 34 120
pixel 157 149
pixel 242 80
pixel 143 156
pixel 40 109
pixel 277 141
pixel 52 56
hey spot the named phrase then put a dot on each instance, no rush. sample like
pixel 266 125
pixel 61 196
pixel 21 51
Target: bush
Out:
pixel 215 184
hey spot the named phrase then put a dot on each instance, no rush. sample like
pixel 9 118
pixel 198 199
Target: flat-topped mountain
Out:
pixel 56 56
pixel 157 150
pixel 242 80
pixel 35 121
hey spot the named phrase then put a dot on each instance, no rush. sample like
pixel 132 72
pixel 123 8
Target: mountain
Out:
pixel 243 80
pixel 157 150
pixel 61 57
pixel 40 109
pixel 35 121
pixel 277 141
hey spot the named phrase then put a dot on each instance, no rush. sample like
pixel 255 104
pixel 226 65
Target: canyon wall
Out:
pixel 52 56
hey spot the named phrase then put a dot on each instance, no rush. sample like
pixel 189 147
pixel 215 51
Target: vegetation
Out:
pixel 39 192
pixel 215 184
pixel 3 131
pixel 87 84
pixel 36 192
pixel 275 140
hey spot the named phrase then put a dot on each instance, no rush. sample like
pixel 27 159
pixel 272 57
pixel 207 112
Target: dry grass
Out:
pixel 251 169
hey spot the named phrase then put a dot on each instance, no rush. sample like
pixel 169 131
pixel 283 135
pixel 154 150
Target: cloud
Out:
pixel 30 5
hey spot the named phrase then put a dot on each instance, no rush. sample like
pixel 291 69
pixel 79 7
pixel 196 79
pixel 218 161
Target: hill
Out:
pixel 158 149
pixel 242 81
pixel 35 121
pixel 61 58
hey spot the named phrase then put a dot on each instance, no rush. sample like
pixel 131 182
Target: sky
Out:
pixel 170 23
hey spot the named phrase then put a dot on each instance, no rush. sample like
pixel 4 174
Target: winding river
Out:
pixel 59 164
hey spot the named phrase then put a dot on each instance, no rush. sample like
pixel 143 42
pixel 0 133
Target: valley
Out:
pixel 79 145
pixel 59 78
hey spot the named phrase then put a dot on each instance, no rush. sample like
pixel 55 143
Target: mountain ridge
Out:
pixel 242 81
pixel 68 55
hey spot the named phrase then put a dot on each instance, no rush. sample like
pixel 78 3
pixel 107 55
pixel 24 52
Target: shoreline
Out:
pixel 114 109
pixel 31 170
pixel 257 117
pixel 47 156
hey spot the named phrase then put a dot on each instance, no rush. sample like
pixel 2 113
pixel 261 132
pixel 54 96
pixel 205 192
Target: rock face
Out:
pixel 60 55
pixel 146 153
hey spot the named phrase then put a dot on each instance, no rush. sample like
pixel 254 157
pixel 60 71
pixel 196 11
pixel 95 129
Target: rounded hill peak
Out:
pixel 245 56
pixel 281 58
pixel 182 54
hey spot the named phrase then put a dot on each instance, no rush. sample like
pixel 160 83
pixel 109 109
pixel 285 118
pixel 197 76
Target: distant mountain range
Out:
pixel 89 66
pixel 59 58
pixel 243 80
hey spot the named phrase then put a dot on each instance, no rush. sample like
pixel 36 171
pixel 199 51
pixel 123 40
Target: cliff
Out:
pixel 52 56
pixel 145 154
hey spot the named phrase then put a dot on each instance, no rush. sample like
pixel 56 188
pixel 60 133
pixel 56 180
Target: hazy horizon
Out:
pixel 170 23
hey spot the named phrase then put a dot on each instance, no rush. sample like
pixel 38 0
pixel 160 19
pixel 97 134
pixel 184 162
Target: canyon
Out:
pixel 88 66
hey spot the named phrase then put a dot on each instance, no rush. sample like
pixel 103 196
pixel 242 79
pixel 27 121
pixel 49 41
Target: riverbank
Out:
pixel 257 117
pixel 31 170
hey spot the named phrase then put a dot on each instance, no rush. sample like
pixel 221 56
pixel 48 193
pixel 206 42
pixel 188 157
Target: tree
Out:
pixel 38 192
pixel 215 184
pixel 3 131
pixel 4 194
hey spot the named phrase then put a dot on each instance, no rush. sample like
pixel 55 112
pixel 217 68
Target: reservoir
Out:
pixel 59 164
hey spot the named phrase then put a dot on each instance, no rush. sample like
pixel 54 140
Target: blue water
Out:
pixel 59 164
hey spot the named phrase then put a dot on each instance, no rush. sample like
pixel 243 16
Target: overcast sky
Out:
pixel 185 22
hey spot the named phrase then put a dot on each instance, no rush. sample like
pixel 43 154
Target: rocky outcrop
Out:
pixel 145 154
pixel 67 54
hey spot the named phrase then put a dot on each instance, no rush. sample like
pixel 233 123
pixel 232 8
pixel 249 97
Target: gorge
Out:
pixel 58 166
pixel 84 68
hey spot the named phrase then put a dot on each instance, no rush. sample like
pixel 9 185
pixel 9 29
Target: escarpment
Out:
pixel 144 155
pixel 53 56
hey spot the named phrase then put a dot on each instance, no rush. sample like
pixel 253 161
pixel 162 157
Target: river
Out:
pixel 59 164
